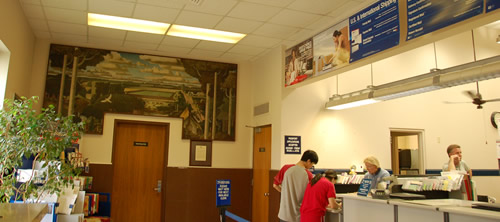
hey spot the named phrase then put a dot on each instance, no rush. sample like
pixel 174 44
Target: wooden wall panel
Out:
pixel 191 193
pixel 102 177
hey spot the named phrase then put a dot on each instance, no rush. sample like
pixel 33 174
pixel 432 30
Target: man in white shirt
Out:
pixel 455 162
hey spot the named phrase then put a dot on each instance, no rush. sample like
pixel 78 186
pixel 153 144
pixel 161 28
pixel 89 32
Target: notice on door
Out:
pixel 292 144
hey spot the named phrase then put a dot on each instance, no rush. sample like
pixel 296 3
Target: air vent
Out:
pixel 261 109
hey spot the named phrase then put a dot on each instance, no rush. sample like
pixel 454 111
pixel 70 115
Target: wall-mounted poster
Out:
pixel 331 48
pixel 492 5
pixel 425 16
pixel 202 93
pixel 374 29
pixel 299 62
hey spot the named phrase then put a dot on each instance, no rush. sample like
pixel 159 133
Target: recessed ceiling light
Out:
pixel 204 34
pixel 136 25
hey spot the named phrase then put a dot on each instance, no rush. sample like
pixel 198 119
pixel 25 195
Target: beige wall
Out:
pixel 346 137
pixel 17 36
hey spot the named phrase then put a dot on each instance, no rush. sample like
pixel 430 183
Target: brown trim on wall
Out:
pixel 191 193
pixel 102 178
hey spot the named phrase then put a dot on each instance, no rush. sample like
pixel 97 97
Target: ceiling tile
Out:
pixel 235 57
pixel 62 27
pixel 42 34
pixel 66 4
pixel 111 7
pixel 144 37
pixel 173 50
pixel 348 9
pixel 178 4
pixel 277 3
pixel 214 46
pixel 98 32
pixel 321 24
pixel 204 53
pixel 255 40
pixel 322 7
pixel 238 25
pixel 140 45
pixel 155 13
pixel 66 15
pixel 179 42
pixel 302 35
pixel 39 24
pixel 246 10
pixel 197 19
pixel 102 42
pixel 216 7
pixel 275 31
pixel 33 11
pixel 246 50
pixel 294 18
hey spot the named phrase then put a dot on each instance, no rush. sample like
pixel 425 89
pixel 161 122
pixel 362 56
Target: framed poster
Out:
pixel 200 153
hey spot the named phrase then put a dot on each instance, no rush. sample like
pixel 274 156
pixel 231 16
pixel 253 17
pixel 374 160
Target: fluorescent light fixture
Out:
pixel 353 104
pixel 204 34
pixel 129 24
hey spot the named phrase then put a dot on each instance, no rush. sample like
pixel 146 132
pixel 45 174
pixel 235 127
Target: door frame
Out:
pixel 163 216
pixel 420 133
pixel 253 166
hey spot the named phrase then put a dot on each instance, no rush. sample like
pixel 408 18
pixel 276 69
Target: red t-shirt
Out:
pixel 278 179
pixel 316 200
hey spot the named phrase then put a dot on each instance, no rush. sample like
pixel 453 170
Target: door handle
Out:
pixel 266 194
pixel 158 187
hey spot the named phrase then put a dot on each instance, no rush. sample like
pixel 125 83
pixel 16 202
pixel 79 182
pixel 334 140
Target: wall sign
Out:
pixel 492 5
pixel 292 145
pixel 374 29
pixel 425 16
pixel 223 190
pixel 140 143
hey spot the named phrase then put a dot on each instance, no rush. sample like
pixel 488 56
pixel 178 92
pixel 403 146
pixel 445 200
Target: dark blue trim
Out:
pixel 235 217
pixel 475 172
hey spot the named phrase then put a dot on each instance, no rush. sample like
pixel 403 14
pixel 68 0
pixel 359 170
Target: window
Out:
pixel 4 68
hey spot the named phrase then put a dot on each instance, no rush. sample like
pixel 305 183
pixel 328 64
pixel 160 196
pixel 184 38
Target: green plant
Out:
pixel 44 136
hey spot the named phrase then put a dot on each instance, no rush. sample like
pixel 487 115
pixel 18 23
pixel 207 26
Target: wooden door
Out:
pixel 261 167
pixel 139 166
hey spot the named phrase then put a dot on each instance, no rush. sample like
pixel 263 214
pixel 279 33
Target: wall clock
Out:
pixel 494 116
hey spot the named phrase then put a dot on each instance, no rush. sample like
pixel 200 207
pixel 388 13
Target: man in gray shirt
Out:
pixel 293 187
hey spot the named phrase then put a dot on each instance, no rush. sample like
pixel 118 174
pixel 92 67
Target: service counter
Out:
pixel 359 208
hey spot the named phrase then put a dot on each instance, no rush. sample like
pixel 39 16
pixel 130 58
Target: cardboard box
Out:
pixel 70 218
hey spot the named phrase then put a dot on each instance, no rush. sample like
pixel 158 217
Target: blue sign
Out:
pixel 425 16
pixel 374 29
pixel 223 190
pixel 292 144
pixel 492 5
pixel 364 187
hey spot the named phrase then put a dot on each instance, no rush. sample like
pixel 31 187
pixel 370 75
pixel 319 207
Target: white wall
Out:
pixel 17 36
pixel 346 137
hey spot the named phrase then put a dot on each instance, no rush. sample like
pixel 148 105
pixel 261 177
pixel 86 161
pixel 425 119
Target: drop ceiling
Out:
pixel 267 23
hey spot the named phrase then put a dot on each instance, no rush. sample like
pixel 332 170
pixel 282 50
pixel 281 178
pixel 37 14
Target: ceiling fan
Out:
pixel 476 97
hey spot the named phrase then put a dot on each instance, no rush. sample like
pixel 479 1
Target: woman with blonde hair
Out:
pixel 375 173
pixel 319 194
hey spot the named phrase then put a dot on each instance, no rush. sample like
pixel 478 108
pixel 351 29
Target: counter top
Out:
pixel 471 212
pixel 23 212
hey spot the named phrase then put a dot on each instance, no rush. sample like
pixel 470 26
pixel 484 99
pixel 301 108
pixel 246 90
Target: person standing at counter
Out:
pixel 294 183
pixel 319 195
pixel 455 162
pixel 375 173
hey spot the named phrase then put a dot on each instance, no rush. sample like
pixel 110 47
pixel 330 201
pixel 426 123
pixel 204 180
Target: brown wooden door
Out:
pixel 261 167
pixel 139 164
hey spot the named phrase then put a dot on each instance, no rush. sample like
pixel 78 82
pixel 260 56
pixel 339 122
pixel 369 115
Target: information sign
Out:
pixel 292 144
pixel 374 29
pixel 492 5
pixel 425 16
pixel 223 190
pixel 364 187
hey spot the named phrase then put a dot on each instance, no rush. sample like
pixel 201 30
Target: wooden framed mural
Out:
pixel 88 83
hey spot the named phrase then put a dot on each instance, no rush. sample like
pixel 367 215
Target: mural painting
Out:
pixel 96 81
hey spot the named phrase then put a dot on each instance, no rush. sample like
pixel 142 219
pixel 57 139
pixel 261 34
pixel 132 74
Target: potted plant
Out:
pixel 40 137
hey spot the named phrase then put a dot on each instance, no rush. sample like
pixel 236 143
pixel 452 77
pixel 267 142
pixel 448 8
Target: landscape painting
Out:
pixel 88 83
